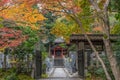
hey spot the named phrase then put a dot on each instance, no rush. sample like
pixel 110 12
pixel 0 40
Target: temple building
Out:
pixel 58 52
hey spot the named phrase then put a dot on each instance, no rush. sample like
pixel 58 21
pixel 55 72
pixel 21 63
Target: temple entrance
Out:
pixel 86 57
pixel 57 52
pixel 58 62
pixel 75 64
pixel 64 62
pixel 58 58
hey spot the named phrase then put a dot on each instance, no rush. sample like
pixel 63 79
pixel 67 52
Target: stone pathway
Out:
pixel 62 79
pixel 60 74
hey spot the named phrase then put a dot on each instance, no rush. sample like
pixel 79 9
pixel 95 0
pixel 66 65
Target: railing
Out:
pixel 49 64
pixel 70 65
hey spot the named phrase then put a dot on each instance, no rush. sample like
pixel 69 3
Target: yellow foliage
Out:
pixel 35 17
pixel 65 30
pixel 22 13
pixel 34 27
pixel 2 49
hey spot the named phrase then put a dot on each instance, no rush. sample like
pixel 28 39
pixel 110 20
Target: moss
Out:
pixel 105 36
pixel 24 77
pixel 44 76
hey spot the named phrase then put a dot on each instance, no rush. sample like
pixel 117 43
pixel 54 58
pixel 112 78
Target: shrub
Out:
pixel 24 77
pixel 44 76
pixel 11 77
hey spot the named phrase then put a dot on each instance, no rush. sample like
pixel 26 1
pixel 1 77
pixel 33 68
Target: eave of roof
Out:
pixel 93 37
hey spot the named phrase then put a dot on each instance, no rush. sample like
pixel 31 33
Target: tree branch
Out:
pixel 3 8
pixel 106 5
pixel 53 10
pixel 64 8
pixel 95 5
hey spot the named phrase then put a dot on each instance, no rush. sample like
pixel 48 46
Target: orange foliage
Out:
pixel 23 12
pixel 28 2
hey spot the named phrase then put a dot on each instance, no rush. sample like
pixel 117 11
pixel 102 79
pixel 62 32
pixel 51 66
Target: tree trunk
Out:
pixel 106 27
pixel 112 59
pixel 108 46
pixel 99 58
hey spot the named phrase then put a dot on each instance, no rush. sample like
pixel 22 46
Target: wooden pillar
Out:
pixel 54 52
pixel 38 64
pixel 62 53
pixel 81 59
pixel 85 62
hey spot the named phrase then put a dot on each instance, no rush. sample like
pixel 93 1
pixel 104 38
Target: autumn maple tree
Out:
pixel 23 12
pixel 11 38
pixel 4 4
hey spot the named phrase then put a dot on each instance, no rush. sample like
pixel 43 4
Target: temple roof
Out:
pixel 59 40
pixel 57 47
pixel 93 37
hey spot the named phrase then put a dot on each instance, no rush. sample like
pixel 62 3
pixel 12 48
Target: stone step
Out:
pixel 61 78
pixel 61 74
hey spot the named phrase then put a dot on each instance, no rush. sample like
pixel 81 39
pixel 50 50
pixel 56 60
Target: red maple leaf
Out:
pixel 3 2
pixel 11 38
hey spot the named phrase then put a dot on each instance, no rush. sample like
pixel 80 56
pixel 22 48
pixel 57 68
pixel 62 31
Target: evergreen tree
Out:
pixel 46 28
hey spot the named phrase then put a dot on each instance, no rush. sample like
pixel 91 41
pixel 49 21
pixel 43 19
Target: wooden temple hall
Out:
pixel 85 52
pixel 58 52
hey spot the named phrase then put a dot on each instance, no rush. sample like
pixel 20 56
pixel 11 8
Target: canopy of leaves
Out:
pixel 48 24
pixel 33 37
pixel 11 38
pixel 116 29
pixel 23 13
pixel 57 6
pixel 65 28
pixel 115 5
pixel 3 3
pixel 115 8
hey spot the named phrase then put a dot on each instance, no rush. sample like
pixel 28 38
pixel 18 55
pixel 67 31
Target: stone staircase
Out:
pixel 61 78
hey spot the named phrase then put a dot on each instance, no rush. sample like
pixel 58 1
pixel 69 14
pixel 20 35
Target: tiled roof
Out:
pixel 93 37
pixel 59 40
